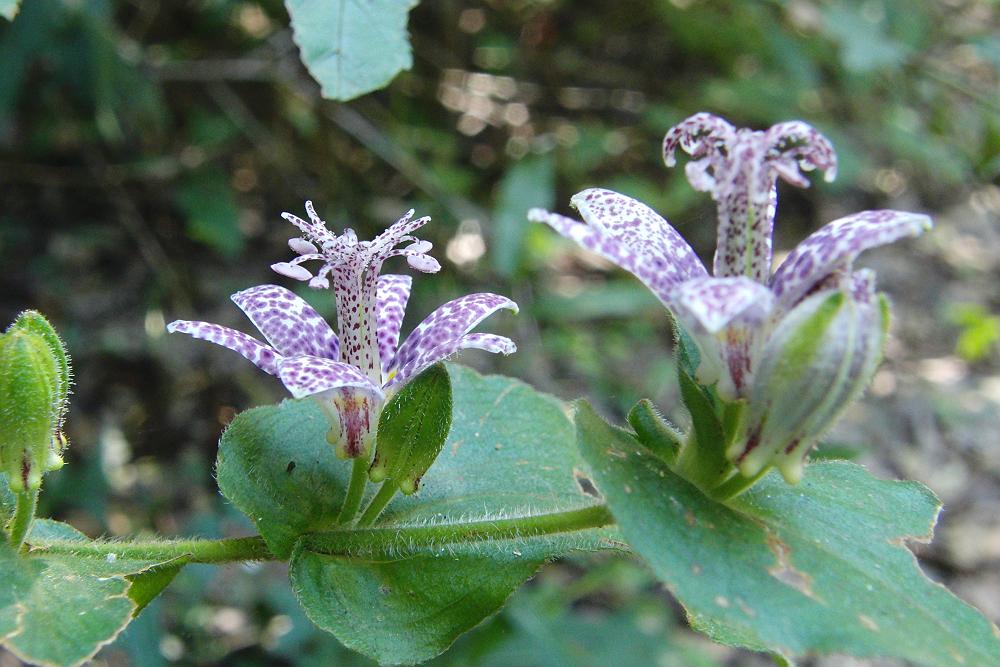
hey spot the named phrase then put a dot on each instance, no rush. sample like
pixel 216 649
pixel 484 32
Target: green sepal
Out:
pixel 412 430
pixel 656 433
pixel 703 458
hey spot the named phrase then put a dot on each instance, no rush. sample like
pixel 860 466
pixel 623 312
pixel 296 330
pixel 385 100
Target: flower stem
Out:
pixel 391 540
pixel 736 485
pixel 385 493
pixel 355 491
pixel 198 551
pixel 24 514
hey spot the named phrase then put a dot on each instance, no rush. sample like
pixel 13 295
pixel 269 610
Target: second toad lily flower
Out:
pixel 350 374
pixel 795 347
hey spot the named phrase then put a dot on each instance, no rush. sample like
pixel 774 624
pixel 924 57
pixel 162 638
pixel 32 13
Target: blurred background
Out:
pixel 148 148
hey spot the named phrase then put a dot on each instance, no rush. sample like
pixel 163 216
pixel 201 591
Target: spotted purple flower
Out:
pixel 734 314
pixel 352 373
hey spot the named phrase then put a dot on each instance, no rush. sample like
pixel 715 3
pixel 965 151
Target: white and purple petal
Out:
pixel 709 305
pixel 835 246
pixel 631 235
pixel 488 342
pixel 441 333
pixel 253 350
pixel 305 375
pixel 288 323
pixel 725 317
pixel 391 294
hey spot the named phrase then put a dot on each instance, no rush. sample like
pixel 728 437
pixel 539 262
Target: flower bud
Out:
pixel 817 361
pixel 34 385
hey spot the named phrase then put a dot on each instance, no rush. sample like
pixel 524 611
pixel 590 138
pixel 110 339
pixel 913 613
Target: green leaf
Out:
pixel 145 586
pixel 412 429
pixel 490 511
pixel 405 611
pixel 275 465
pixel 9 8
pixel 352 48
pixel 528 183
pixel 816 568
pixel 60 609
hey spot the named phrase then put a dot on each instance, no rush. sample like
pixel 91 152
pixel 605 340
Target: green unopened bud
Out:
pixel 412 430
pixel 818 360
pixel 34 386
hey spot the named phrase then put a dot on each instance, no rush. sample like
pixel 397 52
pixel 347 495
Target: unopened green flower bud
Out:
pixel 818 360
pixel 412 430
pixel 34 386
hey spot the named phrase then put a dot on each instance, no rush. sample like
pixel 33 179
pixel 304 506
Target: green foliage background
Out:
pixel 147 149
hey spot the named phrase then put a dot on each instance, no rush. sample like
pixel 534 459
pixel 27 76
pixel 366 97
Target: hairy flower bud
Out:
pixel 819 359
pixel 34 385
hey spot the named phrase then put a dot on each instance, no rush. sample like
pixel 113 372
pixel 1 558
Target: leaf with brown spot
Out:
pixel 817 568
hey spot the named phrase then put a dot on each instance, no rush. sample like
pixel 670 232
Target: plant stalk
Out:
pixel 198 551
pixel 385 494
pixel 24 514
pixel 367 542
pixel 392 539
pixel 355 491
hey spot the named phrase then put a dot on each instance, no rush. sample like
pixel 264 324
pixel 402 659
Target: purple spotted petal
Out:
pixel 441 333
pixel 724 316
pixel 834 247
pixel 306 375
pixel 709 305
pixel 391 295
pixel 253 350
pixel 631 235
pixel 290 324
pixel 489 342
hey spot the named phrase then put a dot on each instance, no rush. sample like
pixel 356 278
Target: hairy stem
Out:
pixel 385 493
pixel 24 514
pixel 343 542
pixel 198 551
pixel 355 491
pixel 387 540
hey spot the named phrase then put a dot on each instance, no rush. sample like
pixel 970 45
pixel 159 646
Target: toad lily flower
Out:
pixel 352 373
pixel 795 347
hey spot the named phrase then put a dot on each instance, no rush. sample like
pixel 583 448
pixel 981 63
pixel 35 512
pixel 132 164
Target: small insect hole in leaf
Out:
pixel 586 484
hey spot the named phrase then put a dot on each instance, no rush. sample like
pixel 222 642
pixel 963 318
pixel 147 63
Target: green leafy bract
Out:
pixel 60 609
pixel 820 567
pixel 412 429
pixel 352 48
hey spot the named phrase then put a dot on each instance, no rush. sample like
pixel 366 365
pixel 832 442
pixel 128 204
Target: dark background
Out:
pixel 148 148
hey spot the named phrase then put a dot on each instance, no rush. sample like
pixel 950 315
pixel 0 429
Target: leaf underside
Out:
pixel 352 48
pixel 60 609
pixel 816 568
